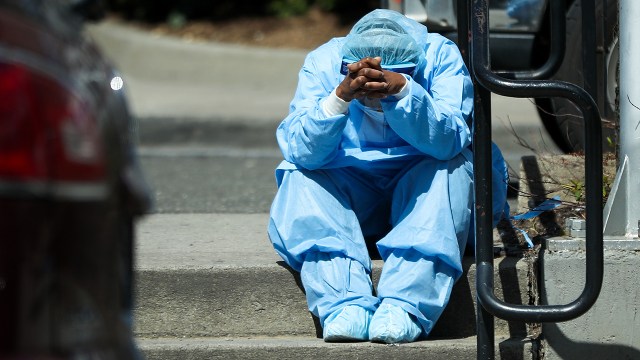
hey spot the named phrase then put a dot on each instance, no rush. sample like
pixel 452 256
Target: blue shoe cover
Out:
pixel 349 324
pixel 391 325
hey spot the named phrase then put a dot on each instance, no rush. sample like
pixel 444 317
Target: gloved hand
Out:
pixel 390 84
pixel 366 78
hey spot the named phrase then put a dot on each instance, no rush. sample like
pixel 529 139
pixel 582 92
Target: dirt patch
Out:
pixel 301 32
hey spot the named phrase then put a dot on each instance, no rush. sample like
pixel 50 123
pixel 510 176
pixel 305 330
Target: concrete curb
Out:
pixel 213 131
pixel 217 275
pixel 295 348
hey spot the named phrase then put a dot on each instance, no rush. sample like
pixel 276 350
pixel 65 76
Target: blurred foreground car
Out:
pixel 70 189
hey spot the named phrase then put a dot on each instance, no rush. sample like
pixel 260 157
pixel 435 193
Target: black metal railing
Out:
pixel 557 31
pixel 473 22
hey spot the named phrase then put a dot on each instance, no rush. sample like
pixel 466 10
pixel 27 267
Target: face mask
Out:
pixel 371 103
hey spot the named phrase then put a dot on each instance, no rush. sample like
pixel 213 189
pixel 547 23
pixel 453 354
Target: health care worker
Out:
pixel 377 143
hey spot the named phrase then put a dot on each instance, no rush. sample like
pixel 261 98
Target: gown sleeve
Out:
pixel 307 137
pixel 433 116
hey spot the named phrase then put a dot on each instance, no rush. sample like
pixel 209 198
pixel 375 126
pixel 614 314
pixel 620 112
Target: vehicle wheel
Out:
pixel 561 118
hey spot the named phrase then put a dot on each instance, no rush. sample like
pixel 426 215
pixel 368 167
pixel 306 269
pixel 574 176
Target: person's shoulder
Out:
pixel 439 46
pixel 438 40
pixel 327 56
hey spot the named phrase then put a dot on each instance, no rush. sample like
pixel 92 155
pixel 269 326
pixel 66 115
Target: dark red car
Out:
pixel 70 188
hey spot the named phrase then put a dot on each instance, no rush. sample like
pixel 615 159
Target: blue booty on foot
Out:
pixel 391 325
pixel 349 324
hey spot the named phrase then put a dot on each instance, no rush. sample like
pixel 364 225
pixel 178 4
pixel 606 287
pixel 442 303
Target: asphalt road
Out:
pixel 197 182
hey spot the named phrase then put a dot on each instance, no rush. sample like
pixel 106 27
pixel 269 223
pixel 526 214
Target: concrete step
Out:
pixel 217 275
pixel 295 348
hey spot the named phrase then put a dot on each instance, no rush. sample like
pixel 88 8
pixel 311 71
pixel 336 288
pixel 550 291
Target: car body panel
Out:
pixel 71 188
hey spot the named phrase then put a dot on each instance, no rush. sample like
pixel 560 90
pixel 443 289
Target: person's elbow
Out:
pixel 447 147
pixel 445 153
pixel 310 158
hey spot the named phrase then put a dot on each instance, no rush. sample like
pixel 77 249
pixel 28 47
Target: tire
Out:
pixel 561 118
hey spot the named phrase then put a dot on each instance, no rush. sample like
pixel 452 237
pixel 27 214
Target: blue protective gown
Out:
pixel 404 174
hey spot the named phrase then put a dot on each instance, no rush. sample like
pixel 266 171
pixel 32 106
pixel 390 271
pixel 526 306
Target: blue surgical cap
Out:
pixel 387 34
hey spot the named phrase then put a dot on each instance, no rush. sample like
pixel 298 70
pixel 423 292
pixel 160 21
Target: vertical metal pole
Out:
pixel 482 180
pixel 463 38
pixel 622 212
pixel 589 66
pixel 630 108
pixel 463 30
pixel 482 111
pixel 483 225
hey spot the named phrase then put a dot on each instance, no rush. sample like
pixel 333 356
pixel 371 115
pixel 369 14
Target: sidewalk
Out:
pixel 172 78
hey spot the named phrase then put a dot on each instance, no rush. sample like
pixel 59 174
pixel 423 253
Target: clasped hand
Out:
pixel 366 78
